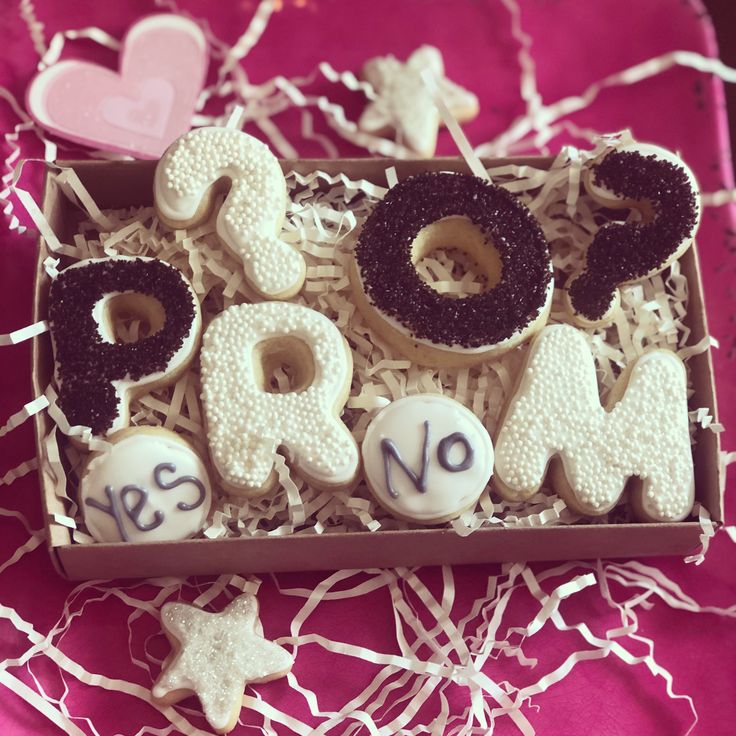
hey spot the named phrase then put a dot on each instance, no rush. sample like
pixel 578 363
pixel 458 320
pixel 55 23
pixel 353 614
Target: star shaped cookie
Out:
pixel 214 655
pixel 404 104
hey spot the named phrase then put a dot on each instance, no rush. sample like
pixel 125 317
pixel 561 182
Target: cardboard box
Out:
pixel 122 183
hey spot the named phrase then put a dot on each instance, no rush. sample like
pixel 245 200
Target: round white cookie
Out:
pixel 150 486
pixel 427 458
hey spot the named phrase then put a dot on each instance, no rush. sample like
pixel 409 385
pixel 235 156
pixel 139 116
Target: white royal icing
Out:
pixel 144 458
pixel 449 487
pixel 124 387
pixel 403 102
pixel 556 410
pixel 251 215
pixel 220 653
pixel 247 424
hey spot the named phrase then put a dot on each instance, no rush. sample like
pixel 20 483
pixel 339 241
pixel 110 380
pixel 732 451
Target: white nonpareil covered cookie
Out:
pixel 555 414
pixel 404 104
pixel 247 422
pixel 191 173
pixel 214 656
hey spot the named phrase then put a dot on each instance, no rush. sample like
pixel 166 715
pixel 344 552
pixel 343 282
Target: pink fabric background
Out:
pixel 575 44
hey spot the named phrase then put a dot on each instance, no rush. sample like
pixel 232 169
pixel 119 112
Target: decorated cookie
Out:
pixel 138 110
pixel 655 182
pixel 98 376
pixel 215 655
pixel 404 104
pixel 555 419
pixel 496 231
pixel 208 160
pixel 150 486
pixel 427 458
pixel 247 422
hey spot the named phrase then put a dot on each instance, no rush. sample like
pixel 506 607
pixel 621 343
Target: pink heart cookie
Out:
pixel 139 110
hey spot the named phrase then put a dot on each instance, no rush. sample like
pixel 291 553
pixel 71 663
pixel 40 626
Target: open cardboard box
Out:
pixel 129 183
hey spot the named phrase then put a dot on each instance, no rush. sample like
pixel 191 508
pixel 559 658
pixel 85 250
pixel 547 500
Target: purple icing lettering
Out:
pixel 443 452
pixel 390 450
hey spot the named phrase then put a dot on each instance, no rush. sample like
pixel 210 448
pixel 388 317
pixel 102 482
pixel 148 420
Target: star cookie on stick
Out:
pixel 404 104
pixel 214 655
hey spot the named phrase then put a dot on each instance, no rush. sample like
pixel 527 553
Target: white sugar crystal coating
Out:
pixel 246 424
pixel 253 211
pixel 404 103
pixel 557 410
pixel 220 653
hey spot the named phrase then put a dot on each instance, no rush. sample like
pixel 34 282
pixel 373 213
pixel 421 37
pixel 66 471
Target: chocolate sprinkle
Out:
pixel 86 365
pixel 393 285
pixel 627 252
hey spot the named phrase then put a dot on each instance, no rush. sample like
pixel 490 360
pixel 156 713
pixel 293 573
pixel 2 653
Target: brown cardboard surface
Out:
pixel 57 535
pixel 126 183
pixel 356 550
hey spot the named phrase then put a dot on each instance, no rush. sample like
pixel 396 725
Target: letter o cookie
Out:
pixel 496 230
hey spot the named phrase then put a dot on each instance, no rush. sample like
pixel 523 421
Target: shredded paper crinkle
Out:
pixel 323 221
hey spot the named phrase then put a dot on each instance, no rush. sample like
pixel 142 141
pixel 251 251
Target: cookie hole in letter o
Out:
pixel 463 248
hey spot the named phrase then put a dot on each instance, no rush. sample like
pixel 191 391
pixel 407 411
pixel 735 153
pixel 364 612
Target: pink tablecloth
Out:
pixel 574 44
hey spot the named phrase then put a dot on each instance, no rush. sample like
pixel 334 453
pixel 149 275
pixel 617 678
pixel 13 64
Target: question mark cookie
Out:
pixel 150 486
pixel 191 173
pixel 656 183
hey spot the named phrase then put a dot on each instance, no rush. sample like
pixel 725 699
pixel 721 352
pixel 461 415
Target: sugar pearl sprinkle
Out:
pixel 220 653
pixel 247 424
pixel 557 410
pixel 253 209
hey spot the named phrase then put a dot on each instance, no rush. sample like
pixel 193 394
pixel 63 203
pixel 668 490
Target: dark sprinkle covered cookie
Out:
pixel 621 253
pixel 86 365
pixel 394 287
